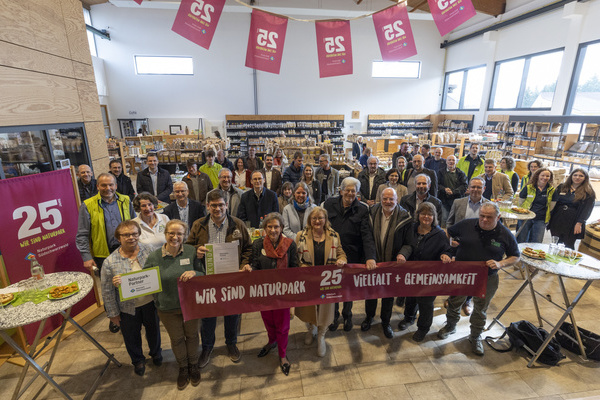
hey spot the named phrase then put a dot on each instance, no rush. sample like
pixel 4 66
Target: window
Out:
pixel 163 65
pixel 463 89
pixel 584 94
pixel 526 82
pixel 91 37
pixel 396 69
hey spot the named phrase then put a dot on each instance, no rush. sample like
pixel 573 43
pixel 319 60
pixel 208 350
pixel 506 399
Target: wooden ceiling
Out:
pixel 491 7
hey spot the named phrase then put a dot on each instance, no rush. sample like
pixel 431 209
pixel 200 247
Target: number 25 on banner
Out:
pixel 199 9
pixel 393 31
pixel 50 216
pixel 334 44
pixel 443 4
pixel 266 38
pixel 331 277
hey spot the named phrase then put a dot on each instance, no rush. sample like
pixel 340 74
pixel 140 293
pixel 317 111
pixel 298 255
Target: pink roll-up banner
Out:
pixel 265 41
pixel 39 216
pixel 197 20
pixel 450 14
pixel 394 33
pixel 334 48
pixel 243 292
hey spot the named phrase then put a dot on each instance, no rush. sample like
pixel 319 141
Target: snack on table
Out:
pixel 62 291
pixel 519 210
pixel 531 253
pixel 6 298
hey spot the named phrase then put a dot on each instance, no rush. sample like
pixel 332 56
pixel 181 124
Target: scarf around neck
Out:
pixel 279 253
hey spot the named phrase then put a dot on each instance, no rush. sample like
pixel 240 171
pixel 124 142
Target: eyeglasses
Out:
pixel 178 234
pixel 215 206
pixel 318 218
pixel 126 235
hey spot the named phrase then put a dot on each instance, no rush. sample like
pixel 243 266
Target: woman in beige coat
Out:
pixel 318 244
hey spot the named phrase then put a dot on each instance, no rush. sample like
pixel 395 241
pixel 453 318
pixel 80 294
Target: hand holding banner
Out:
pixel 197 20
pixel 394 33
pixel 242 292
pixel 450 14
pixel 334 48
pixel 265 41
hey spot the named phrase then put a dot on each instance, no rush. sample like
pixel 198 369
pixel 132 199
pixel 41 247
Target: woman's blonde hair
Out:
pixel 314 211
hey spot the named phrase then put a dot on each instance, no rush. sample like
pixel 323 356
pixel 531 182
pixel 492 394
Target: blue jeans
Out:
pixel 533 232
pixel 207 330
pixel 131 328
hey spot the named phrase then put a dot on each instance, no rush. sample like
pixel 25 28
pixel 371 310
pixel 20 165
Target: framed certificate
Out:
pixel 140 283
pixel 222 258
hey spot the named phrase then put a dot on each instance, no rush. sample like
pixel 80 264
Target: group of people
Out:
pixel 381 216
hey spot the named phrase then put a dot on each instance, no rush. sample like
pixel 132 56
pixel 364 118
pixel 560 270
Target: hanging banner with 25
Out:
pixel 450 14
pixel 265 42
pixel 334 48
pixel 394 33
pixel 197 20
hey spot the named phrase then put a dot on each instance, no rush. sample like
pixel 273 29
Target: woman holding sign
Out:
pixel 177 262
pixel 130 315
pixel 318 244
pixel 274 252
pixel 430 243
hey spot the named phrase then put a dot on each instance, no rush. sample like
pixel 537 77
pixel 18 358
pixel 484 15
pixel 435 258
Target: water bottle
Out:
pixel 37 273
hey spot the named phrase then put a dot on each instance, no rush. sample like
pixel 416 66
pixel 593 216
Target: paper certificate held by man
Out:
pixel 139 283
pixel 222 258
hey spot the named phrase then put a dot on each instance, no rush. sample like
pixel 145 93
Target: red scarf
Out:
pixel 280 253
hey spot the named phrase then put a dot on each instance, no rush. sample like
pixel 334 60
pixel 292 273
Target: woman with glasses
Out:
pixel 430 243
pixel 318 244
pixel 152 223
pixel 275 251
pixel 131 315
pixel 176 262
pixel 295 215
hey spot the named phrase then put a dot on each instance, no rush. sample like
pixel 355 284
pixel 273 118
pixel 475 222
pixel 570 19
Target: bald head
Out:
pixel 417 162
pixel 84 172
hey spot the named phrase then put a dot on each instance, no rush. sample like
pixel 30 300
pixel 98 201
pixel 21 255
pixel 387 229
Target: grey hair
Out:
pixel 350 181
pixel 491 204
pixel 225 170
pixel 270 217
pixel 374 158
pixel 426 176
pixel 427 207
pixel 325 156
pixel 451 155
pixel 489 161
pixel 180 183
pixel 479 179
pixel 510 162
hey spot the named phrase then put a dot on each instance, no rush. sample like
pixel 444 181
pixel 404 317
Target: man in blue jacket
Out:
pixel 293 173
pixel 258 202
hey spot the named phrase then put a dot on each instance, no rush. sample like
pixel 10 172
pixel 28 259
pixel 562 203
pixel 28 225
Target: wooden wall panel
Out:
pixel 97 146
pixel 88 98
pixel 12 55
pixel 75 28
pixel 48 27
pixel 84 72
pixel 35 98
pixel 14 23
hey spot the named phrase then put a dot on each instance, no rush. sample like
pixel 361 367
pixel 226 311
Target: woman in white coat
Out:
pixel 295 215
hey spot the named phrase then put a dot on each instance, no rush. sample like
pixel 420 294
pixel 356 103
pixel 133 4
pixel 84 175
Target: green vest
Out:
pixel 463 165
pixel 509 173
pixel 531 196
pixel 97 227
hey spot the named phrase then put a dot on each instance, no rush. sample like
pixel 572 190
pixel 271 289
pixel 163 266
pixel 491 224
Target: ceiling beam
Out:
pixel 490 7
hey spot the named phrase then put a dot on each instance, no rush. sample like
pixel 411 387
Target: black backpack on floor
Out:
pixel 591 341
pixel 523 334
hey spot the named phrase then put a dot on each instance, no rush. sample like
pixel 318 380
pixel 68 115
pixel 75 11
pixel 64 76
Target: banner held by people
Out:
pixel 243 292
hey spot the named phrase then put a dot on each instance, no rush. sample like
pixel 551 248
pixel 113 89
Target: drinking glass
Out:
pixel 572 254
pixel 561 249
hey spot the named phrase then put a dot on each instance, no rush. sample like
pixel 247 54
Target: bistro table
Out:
pixel 28 313
pixel 507 214
pixel 586 269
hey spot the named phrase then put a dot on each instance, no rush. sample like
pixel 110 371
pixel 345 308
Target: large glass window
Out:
pixel 584 94
pixel 87 16
pixel 463 89
pixel 526 82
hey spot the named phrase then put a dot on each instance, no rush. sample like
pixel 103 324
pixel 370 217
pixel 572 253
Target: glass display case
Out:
pixel 26 150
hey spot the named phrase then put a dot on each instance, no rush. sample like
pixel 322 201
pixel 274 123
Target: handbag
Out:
pixel 523 334
pixel 590 340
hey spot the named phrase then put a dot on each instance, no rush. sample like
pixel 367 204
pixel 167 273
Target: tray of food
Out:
pixel 7 298
pixel 62 292
pixel 519 210
pixel 532 253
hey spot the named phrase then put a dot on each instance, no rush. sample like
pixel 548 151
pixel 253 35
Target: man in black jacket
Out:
pixel 86 183
pixel 124 185
pixel 350 218
pixel 452 185
pixel 392 230
pixel 183 208
pixel 411 202
pixel 155 180
pixel 370 179
pixel 417 168
pixel 223 161
pixel 258 202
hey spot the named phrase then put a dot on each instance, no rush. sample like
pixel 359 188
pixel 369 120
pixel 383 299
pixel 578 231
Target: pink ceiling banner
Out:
pixel 450 14
pixel 265 41
pixel 334 48
pixel 197 20
pixel 138 1
pixel 394 33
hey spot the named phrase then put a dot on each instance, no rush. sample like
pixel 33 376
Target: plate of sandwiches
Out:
pixel 7 298
pixel 532 253
pixel 519 210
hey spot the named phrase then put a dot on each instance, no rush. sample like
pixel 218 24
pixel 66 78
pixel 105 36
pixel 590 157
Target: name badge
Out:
pixel 184 261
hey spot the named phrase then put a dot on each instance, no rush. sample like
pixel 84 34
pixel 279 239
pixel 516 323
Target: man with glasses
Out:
pixel 184 209
pixel 219 227
pixel 232 194
pixel 258 202
pixel 328 177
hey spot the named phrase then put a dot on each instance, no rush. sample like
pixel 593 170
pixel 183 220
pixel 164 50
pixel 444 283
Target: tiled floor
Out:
pixel 358 365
